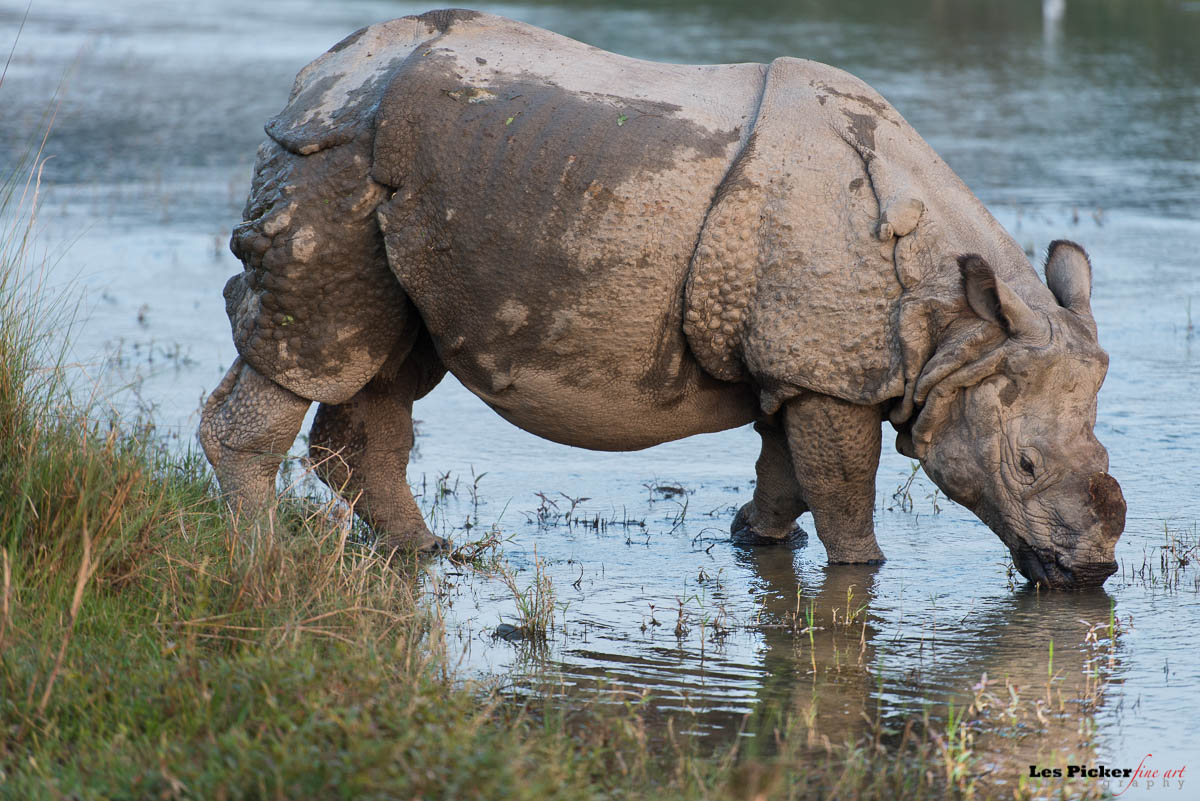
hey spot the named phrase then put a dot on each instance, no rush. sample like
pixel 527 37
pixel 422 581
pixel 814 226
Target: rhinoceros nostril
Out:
pixel 1104 495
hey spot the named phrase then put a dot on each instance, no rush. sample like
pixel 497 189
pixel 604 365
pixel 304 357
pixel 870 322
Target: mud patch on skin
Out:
pixel 1009 394
pixel 443 18
pixel 335 97
pixel 513 315
pixel 309 125
pixel 862 128
pixel 878 106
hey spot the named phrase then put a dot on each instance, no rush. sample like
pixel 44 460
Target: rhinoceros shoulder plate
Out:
pixel 789 284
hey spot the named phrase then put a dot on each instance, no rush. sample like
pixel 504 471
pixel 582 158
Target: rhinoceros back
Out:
pixel 541 200
pixel 548 200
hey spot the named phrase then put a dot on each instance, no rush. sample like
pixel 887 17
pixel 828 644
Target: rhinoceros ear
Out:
pixel 993 300
pixel 1069 276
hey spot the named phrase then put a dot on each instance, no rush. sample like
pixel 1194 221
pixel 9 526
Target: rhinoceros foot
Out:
pixel 745 535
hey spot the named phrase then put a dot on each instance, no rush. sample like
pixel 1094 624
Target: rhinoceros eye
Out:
pixel 1026 465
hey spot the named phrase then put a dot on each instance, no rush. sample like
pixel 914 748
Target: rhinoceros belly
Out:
pixel 549 197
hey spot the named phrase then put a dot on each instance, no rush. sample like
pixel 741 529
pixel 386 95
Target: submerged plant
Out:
pixel 534 603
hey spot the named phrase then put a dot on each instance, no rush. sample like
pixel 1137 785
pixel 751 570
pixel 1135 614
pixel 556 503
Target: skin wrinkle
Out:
pixel 1062 535
pixel 1010 457
pixel 866 167
pixel 1037 342
pixel 1045 479
pixel 732 174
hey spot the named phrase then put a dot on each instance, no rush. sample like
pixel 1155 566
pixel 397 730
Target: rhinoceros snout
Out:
pixel 1047 570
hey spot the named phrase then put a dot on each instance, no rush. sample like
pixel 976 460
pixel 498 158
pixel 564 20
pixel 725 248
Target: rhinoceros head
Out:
pixel 1006 426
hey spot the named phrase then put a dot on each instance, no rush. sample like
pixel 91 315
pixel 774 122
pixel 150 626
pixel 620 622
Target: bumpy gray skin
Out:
pixel 615 253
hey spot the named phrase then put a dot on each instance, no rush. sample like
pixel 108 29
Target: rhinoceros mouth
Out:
pixel 1044 568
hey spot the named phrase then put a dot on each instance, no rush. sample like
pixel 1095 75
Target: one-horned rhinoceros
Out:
pixel 615 253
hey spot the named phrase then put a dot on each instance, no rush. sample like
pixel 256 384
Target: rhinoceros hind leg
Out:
pixel 770 518
pixel 835 449
pixel 247 426
pixel 361 448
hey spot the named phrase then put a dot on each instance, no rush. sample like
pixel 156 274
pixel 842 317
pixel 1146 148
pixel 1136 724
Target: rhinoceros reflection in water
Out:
pixel 836 661
pixel 615 253
pixel 864 668
pixel 857 670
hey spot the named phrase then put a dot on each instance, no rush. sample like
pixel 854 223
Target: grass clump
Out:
pixel 534 604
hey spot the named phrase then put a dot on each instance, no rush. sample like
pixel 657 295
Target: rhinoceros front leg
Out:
pixel 361 449
pixel 770 518
pixel 247 426
pixel 835 449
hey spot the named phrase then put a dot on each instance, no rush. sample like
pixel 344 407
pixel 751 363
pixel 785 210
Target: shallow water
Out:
pixel 1084 129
